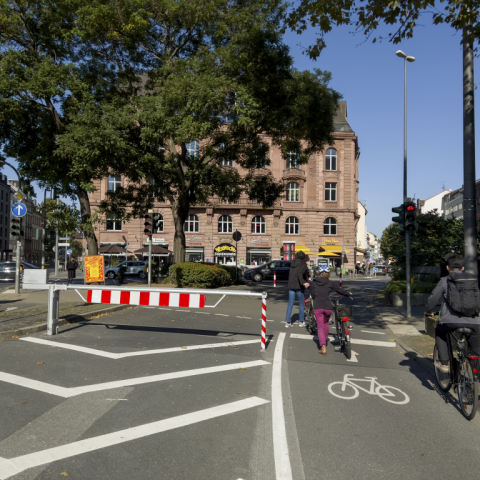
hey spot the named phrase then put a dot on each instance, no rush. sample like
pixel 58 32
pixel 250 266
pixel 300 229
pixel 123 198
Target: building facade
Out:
pixel 433 203
pixel 361 245
pixel 318 211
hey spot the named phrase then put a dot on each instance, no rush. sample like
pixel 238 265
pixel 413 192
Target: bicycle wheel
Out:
pixel 444 380
pixel 346 391
pixel 347 345
pixel 467 389
pixel 389 394
pixel 312 320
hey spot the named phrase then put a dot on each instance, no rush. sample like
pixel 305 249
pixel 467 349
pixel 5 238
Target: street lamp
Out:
pixel 410 59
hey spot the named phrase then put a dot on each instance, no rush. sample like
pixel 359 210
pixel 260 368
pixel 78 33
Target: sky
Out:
pixel 371 79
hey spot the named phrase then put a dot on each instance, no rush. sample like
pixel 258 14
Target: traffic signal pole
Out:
pixel 56 246
pixel 17 268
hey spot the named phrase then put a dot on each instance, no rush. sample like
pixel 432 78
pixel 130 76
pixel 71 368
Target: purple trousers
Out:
pixel 322 316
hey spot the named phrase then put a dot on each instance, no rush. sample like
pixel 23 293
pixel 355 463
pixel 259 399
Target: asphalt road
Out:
pixel 149 393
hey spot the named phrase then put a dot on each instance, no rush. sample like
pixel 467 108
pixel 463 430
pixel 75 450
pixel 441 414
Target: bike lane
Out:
pixel 366 435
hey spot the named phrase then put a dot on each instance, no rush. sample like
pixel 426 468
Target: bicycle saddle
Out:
pixel 465 331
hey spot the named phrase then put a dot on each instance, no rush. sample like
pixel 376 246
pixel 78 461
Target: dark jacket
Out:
pixel 320 289
pixel 72 264
pixel 447 315
pixel 297 274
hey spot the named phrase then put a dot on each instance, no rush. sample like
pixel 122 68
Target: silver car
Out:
pixel 7 270
pixel 134 267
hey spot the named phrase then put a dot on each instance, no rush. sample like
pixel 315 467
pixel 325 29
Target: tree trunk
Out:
pixel 180 209
pixel 86 213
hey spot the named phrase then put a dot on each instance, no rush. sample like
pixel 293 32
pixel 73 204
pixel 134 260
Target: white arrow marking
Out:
pixel 354 357
pixel 19 210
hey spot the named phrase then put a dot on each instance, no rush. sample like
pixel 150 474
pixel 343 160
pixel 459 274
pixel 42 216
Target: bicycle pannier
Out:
pixel 463 294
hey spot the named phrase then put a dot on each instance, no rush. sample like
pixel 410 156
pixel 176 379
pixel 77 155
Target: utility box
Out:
pixel 34 276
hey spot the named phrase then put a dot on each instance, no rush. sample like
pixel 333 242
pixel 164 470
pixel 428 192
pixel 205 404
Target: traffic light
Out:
pixel 410 217
pixel 148 224
pixel 15 227
pixel 157 223
pixel 401 218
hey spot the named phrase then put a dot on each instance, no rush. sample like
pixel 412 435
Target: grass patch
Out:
pixel 423 344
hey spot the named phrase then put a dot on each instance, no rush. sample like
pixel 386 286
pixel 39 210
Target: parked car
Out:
pixel 7 270
pixel 257 274
pixel 134 267
pixel 381 269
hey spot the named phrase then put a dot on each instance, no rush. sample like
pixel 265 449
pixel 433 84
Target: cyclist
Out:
pixel 320 288
pixel 297 282
pixel 449 320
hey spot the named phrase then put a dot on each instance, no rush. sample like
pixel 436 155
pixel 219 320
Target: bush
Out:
pixel 200 275
pixel 229 269
pixel 400 286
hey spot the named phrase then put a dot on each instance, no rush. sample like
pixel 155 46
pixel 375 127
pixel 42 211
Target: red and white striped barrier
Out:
pixel 274 278
pixel 154 299
pixel 264 323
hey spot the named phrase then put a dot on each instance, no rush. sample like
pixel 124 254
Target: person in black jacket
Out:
pixel 297 282
pixel 320 289
pixel 72 265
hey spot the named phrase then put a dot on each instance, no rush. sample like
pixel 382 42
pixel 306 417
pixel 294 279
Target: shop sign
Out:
pixel 225 250
pixel 330 241
pixel 194 240
pixel 158 240
pixel 255 241
pixel 94 269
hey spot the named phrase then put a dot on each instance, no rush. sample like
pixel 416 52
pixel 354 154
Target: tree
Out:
pixel 436 236
pixel 366 16
pixel 213 72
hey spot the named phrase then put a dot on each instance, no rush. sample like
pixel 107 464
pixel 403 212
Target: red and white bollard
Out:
pixel 274 278
pixel 264 321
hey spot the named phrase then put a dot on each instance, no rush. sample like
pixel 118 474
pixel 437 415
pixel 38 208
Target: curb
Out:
pixel 72 318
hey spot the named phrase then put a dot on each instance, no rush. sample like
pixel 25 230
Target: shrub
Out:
pixel 400 286
pixel 199 275
pixel 229 269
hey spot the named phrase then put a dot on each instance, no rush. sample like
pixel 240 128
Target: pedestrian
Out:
pixel 72 265
pixel 320 289
pixel 453 300
pixel 297 282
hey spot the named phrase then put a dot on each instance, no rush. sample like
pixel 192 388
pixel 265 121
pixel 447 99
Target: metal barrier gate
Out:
pixel 176 297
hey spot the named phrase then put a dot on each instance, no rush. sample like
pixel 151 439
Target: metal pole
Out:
pixel 407 235
pixel 470 213
pixel 149 261
pixel 56 245
pixel 44 227
pixel 17 268
pixel 236 261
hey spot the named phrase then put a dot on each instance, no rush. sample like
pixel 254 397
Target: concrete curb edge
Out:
pixel 72 318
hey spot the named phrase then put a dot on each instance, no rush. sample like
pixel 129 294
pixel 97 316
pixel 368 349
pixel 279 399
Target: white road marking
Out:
pixel 245 317
pixel 116 356
pixel 11 308
pixel 371 331
pixel 204 313
pixel 149 307
pixel 270 320
pixel 354 341
pixel 354 357
pixel 221 315
pixel 283 468
pixel 71 392
pixel 13 466
pixel 163 308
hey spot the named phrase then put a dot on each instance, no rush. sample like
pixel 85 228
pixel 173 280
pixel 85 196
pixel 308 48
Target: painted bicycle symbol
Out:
pixel 349 390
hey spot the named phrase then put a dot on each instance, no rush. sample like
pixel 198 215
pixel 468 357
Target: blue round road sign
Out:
pixel 69 250
pixel 19 210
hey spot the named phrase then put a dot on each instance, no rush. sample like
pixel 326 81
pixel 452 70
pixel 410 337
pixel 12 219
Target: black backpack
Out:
pixel 463 294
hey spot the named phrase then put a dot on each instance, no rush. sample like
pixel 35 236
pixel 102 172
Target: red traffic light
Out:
pixel 411 208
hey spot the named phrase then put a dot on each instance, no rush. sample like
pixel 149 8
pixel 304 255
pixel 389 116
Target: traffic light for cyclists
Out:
pixel 410 217
pixel 401 217
pixel 157 223
pixel 148 224
pixel 15 227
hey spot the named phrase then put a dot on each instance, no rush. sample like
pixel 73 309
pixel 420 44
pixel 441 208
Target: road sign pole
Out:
pixel 149 261
pixel 56 245
pixel 17 269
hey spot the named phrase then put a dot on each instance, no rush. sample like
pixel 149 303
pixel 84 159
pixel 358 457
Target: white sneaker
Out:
pixel 301 324
pixel 288 325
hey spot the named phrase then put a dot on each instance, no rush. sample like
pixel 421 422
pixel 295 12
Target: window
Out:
pixel 331 192
pixel 260 156
pixel 330 226
pixel 292 158
pixel 225 224
pixel 331 159
pixel 291 226
pixel 293 192
pixel 157 223
pixel 114 182
pixel 225 162
pixel 2 193
pixel 113 224
pixel 193 149
pixel 192 224
pixel 258 225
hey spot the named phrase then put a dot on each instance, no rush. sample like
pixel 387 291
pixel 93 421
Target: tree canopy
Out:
pixel 399 18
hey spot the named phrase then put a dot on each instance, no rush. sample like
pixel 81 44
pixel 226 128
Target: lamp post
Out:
pixel 406 58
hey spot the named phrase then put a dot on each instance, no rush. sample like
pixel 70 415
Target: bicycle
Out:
pixel 462 374
pixel 341 316
pixel 385 392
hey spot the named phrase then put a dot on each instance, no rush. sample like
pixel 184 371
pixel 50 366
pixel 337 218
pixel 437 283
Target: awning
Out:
pixel 304 249
pixel 333 249
pixel 156 249
pixel 329 254
pixel 112 248
pixel 360 250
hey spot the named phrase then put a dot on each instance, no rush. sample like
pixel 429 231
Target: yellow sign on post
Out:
pixel 94 269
